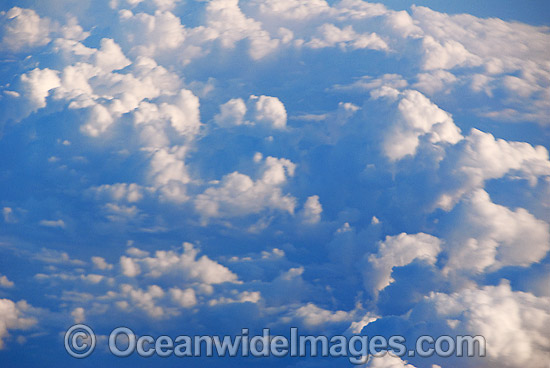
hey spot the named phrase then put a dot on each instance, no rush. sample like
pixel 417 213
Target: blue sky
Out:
pixel 199 167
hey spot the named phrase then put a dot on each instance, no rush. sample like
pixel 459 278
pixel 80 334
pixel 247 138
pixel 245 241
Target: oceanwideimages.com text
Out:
pixel 80 342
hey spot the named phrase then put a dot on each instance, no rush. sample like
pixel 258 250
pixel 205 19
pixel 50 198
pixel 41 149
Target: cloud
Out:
pixel 389 361
pixel 239 195
pixel 514 324
pixel 231 113
pixel 53 223
pixel 13 316
pixel 481 157
pixel 181 264
pixel 398 251
pixel 270 110
pixel 185 298
pixel 230 25
pixel 491 236
pixel 101 264
pixel 418 116
pixel 313 316
pixel 146 300
pixel 23 29
pixel 346 38
pixel 79 315
pixel 36 86
pixel 5 282
pixel 311 213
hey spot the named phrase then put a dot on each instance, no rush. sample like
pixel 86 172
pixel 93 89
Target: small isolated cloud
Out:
pixel 53 223
pixel 5 282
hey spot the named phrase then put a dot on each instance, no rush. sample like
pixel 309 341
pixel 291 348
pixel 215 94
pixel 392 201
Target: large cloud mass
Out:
pixel 338 166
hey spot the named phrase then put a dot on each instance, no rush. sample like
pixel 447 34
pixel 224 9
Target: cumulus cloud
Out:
pixel 239 195
pixel 270 110
pixel 120 115
pixel 13 316
pixel 417 117
pixel 101 264
pixel 491 236
pixel 311 213
pixel 346 38
pixel 146 300
pixel 36 86
pixel 169 172
pixel 185 298
pixel 312 315
pixel 398 251
pixel 230 25
pixel 389 361
pixel 231 113
pixel 514 324
pixel 182 264
pixel 23 29
pixel 5 282
pixel 481 157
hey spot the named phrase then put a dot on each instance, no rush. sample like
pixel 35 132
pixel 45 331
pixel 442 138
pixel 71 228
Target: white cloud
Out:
pixel 345 38
pixel 36 86
pixel 13 316
pixel 514 324
pixel 184 298
pixel 491 236
pixel 448 55
pixel 418 116
pixel 53 223
pixel 436 81
pixel 5 282
pixel 101 264
pixel 313 316
pixel 230 25
pixel 398 251
pixel 120 192
pixel 152 35
pixel 243 297
pixel 23 29
pixel 109 57
pixel 231 113
pixel 181 264
pixel 129 266
pixel 145 300
pixel 270 110
pixel 239 195
pixel 169 172
pixel 79 315
pixel 293 9
pixel 7 213
pixel 388 361
pixel 482 157
pixel 311 213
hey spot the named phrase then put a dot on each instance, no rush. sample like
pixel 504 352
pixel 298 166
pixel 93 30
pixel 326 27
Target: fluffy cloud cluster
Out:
pixel 398 251
pixel 514 324
pixel 185 264
pixel 491 236
pixel 418 117
pixel 266 110
pixel 155 99
pixel 13 317
pixel 239 195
